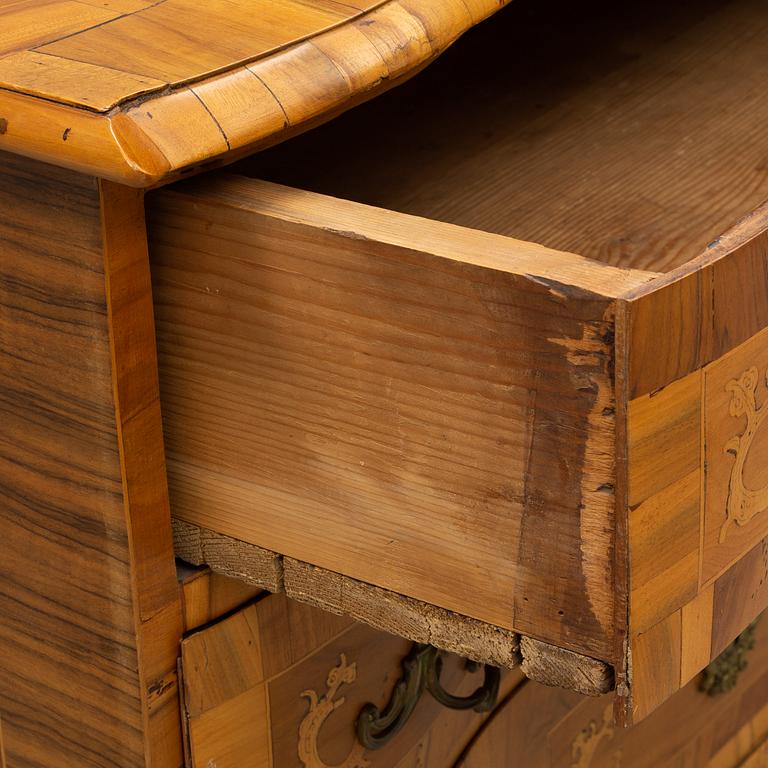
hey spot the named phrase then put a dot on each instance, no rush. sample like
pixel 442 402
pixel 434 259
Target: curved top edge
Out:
pixel 156 137
pixel 101 59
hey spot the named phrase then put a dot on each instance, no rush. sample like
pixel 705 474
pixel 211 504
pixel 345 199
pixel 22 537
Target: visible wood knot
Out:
pixel 3 126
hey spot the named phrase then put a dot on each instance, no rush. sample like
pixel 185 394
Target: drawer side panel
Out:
pixel 437 426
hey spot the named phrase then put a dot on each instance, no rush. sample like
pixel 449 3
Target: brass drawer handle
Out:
pixel 421 671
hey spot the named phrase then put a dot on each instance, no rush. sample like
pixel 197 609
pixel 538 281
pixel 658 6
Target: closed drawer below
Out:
pixel 278 684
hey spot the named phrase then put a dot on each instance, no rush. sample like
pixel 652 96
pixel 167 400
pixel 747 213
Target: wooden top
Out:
pixel 138 90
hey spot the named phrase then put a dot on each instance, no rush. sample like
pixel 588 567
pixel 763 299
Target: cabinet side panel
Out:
pixel 83 681
pixel 69 686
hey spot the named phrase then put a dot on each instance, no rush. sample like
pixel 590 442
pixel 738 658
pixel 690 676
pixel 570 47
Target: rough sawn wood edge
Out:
pixel 391 612
pixel 148 141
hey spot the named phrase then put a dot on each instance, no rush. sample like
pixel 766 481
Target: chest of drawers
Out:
pixel 270 682
pixel 481 363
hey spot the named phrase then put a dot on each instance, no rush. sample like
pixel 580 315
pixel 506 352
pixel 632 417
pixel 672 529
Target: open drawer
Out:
pixel 433 414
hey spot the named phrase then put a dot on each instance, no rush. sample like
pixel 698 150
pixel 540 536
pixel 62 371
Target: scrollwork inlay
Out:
pixel 743 503
pixel 320 708
pixel 589 739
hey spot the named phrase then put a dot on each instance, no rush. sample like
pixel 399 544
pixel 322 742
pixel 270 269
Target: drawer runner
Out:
pixel 388 611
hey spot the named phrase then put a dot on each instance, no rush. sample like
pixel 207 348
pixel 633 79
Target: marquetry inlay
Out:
pixel 743 502
pixel 589 739
pixel 320 708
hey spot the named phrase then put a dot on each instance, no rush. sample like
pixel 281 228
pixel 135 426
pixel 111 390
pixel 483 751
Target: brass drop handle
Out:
pixel 421 671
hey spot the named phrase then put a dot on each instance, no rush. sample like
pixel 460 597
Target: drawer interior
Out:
pixel 633 134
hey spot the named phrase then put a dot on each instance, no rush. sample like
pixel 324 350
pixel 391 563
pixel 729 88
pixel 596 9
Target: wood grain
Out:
pixel 399 615
pixel 27 25
pixel 727 535
pixel 123 71
pixel 664 541
pixel 759 758
pixel 340 597
pixel 77 139
pixel 377 659
pixel 518 731
pixel 536 726
pixel 555 666
pixel 290 631
pixel 638 152
pixel 664 438
pixel 656 665
pixel 207 596
pixel 222 661
pixel 255 718
pixel 227 556
pixel 62 80
pixel 91 618
pixel 715 351
pixel 400 410
pixel 3 762
pixel 695 473
pixel 659 357
pixel 696 634
pixel 142 461
pixel 136 394
pixel 690 729
pixel 697 302
pixel 256 643
pixel 179 41
pixel 740 595
pixel 234 735
pixel 697 447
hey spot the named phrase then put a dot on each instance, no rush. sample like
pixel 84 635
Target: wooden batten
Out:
pixel 227 556
pixel 400 615
pixel 562 668
pixel 390 612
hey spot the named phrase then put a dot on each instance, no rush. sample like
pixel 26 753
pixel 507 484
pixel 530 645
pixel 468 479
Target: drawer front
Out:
pixel 698 502
pixel 279 684
pixel 542 728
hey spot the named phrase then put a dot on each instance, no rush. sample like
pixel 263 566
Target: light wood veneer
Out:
pixel 138 92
